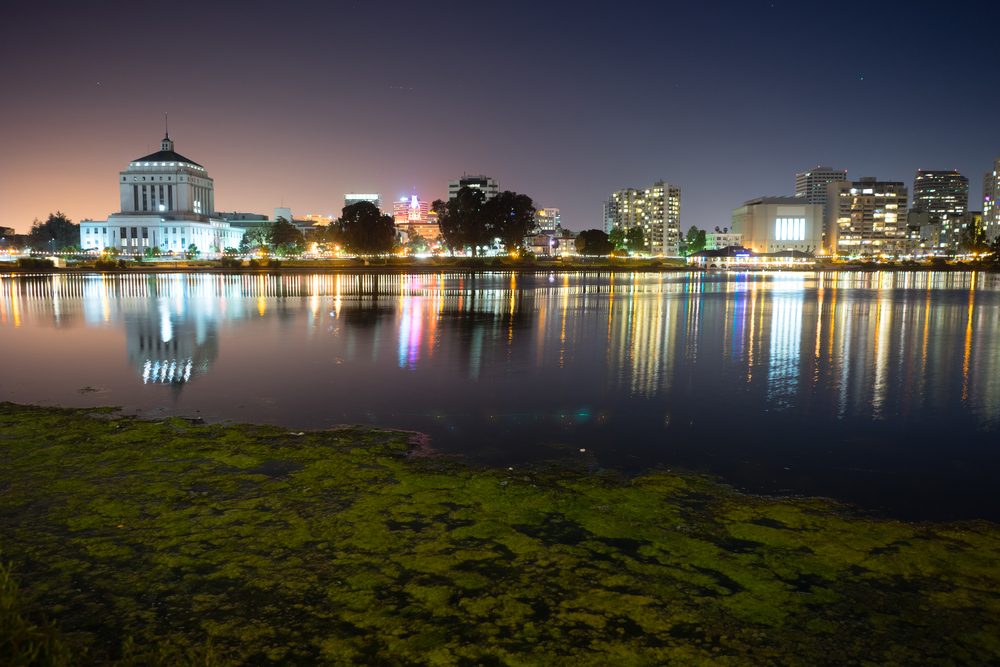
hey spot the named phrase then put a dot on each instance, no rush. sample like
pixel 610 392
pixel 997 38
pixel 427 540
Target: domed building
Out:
pixel 167 202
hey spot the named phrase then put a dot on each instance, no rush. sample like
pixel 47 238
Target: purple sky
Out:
pixel 301 102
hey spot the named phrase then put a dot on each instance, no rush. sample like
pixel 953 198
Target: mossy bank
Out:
pixel 169 541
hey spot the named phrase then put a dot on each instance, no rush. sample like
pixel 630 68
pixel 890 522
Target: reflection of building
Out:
pixel 770 224
pixel 991 203
pixel 868 216
pixel 168 347
pixel 656 209
pixel 167 202
pixel 415 218
pixel 357 198
pixel 489 186
pixel 944 196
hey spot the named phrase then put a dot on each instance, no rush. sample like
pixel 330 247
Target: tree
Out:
pixel 593 242
pixel 284 237
pixel 617 238
pixel 462 220
pixel 366 230
pixel 973 239
pixel 694 241
pixel 510 217
pixel 57 233
pixel 255 239
pixel 192 251
pixel 635 239
pixel 417 244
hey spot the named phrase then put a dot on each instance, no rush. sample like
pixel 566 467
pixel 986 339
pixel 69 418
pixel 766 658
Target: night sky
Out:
pixel 301 102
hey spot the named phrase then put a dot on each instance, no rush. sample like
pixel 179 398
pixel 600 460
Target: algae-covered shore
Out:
pixel 143 542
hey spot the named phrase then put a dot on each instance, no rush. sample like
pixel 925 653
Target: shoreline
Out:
pixel 418 268
pixel 259 544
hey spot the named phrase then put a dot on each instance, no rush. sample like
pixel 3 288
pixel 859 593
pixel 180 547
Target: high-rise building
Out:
pixel 813 184
pixel 944 196
pixel 548 219
pixel 415 218
pixel 489 186
pixel 772 224
pixel 868 217
pixel 991 203
pixel 656 209
pixel 358 197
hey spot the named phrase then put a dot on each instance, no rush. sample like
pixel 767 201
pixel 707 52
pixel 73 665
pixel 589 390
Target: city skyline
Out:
pixel 283 126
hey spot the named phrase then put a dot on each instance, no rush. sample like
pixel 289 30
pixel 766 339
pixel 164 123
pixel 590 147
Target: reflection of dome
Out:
pixel 169 349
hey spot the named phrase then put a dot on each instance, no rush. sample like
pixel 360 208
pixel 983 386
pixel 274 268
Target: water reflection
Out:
pixel 644 368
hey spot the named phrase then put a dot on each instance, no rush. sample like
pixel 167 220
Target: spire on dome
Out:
pixel 166 144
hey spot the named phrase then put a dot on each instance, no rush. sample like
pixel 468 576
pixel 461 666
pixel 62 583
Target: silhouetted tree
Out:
pixel 973 239
pixel 617 238
pixel 694 241
pixel 57 233
pixel 366 230
pixel 593 242
pixel 284 237
pixel 635 239
pixel 510 217
pixel 463 221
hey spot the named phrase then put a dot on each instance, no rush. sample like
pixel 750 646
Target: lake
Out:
pixel 879 389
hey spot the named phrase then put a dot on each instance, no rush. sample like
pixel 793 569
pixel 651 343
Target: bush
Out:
pixel 253 264
pixel 231 263
pixel 35 263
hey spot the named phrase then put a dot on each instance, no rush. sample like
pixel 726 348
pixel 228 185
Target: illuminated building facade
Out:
pixel 725 239
pixel 167 202
pixel 813 185
pixel 772 224
pixel 414 217
pixel 869 217
pixel 352 198
pixel 991 203
pixel 944 196
pixel 487 185
pixel 656 209
pixel 548 219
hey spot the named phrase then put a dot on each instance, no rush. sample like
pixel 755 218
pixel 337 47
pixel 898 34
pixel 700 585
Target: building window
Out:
pixel 135 232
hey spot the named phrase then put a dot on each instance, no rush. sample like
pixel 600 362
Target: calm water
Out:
pixel 881 389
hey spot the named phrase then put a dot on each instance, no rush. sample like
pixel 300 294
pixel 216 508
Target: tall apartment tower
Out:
pixel 868 216
pixel 488 185
pixel 991 203
pixel 657 209
pixel 944 196
pixel 813 184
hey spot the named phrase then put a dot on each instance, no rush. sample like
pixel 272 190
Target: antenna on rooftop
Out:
pixel 166 126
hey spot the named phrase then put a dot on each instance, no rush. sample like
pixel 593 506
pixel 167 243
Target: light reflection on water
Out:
pixel 880 388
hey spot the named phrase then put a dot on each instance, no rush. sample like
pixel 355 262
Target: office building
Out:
pixel 414 217
pixel 167 202
pixel 991 203
pixel 813 185
pixel 777 224
pixel 656 209
pixel 868 217
pixel 548 219
pixel 487 185
pixel 944 196
pixel 723 238
pixel 358 197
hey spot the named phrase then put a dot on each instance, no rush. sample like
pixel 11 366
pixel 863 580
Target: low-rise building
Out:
pixel 771 224
pixel 722 239
pixel 167 203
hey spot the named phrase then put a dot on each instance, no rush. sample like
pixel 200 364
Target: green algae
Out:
pixel 275 547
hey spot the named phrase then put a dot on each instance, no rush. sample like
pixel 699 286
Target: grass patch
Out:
pixel 234 544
